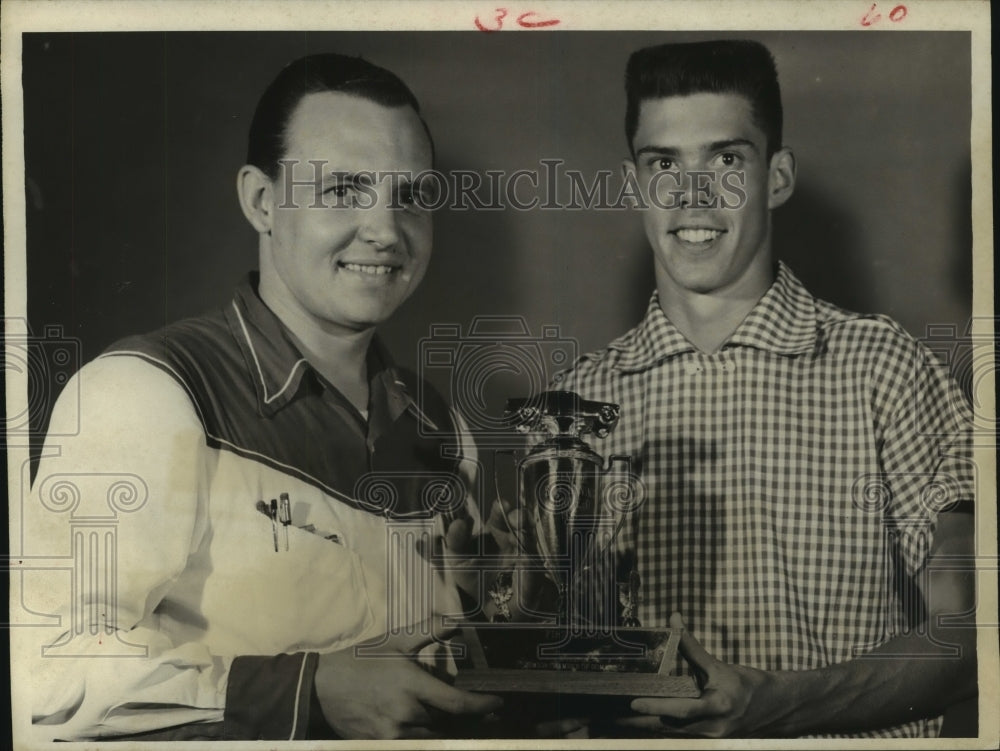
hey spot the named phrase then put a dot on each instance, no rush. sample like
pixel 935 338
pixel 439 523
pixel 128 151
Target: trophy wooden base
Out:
pixel 543 659
pixel 582 683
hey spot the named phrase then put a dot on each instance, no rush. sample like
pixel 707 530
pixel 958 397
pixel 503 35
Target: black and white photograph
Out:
pixel 436 372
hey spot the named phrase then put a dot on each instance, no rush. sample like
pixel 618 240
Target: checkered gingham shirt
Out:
pixel 788 477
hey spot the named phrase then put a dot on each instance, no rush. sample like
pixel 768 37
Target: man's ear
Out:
pixel 256 192
pixel 780 178
pixel 628 174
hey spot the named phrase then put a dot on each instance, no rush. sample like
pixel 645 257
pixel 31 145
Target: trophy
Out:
pixel 575 504
pixel 584 638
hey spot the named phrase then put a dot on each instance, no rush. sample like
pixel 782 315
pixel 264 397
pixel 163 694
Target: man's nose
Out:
pixel 699 189
pixel 378 224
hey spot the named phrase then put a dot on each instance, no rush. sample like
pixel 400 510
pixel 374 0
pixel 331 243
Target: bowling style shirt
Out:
pixel 791 480
pixel 226 515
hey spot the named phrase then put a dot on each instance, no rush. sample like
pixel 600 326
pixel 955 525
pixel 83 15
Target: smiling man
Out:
pixel 257 553
pixel 806 469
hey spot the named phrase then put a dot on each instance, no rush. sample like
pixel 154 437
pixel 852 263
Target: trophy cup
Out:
pixel 564 490
pixel 584 638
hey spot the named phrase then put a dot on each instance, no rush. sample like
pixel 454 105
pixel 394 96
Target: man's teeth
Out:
pixel 374 270
pixel 697 235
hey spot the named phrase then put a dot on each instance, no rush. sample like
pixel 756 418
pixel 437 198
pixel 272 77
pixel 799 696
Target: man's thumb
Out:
pixel 691 649
pixel 411 639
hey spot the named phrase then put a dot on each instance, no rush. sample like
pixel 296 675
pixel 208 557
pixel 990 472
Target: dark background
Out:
pixel 133 141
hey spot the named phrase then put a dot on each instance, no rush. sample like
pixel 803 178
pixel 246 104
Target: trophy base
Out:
pixel 588 683
pixel 517 658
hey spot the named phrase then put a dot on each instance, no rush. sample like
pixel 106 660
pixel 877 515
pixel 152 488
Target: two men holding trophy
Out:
pixel 741 414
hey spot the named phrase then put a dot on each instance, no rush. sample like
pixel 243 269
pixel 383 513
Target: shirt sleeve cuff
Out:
pixel 268 697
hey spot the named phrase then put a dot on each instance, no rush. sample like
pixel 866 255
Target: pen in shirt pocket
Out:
pixel 279 512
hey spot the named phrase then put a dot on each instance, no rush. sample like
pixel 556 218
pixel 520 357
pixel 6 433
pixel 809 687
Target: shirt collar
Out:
pixel 783 321
pixel 388 388
pixel 277 367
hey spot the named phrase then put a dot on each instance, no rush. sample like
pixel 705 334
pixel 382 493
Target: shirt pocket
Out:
pixel 307 595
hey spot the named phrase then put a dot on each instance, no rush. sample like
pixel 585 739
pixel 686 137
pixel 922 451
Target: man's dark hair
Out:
pixel 719 67
pixel 309 75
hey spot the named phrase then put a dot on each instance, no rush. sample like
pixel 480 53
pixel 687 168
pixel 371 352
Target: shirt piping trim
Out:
pixel 222 441
pixel 274 462
pixel 256 362
pixel 298 695
pixel 305 476
pixel 242 451
pixel 421 415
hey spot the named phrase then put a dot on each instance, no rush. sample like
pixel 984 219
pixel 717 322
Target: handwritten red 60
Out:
pixel 872 17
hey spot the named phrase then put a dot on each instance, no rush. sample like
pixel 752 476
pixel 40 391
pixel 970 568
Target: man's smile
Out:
pixel 697 235
pixel 371 269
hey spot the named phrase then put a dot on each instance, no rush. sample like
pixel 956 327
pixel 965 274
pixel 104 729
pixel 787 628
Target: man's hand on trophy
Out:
pixel 459 551
pixel 735 701
pixel 509 531
pixel 388 694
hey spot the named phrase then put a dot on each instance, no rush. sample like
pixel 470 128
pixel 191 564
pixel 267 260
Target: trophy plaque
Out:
pixel 582 638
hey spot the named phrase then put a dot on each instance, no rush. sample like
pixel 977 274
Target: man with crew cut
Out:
pixel 805 467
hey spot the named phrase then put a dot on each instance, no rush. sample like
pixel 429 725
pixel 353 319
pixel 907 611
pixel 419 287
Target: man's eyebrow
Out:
pixel 342 177
pixel 658 150
pixel 727 143
pixel 365 177
pixel 730 143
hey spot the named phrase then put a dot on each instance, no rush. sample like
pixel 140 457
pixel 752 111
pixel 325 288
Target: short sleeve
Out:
pixel 927 456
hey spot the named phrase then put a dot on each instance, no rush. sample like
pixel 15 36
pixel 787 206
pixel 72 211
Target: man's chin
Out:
pixel 695 281
pixel 367 313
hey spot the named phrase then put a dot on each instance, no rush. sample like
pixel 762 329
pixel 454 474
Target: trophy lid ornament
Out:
pixel 562 413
